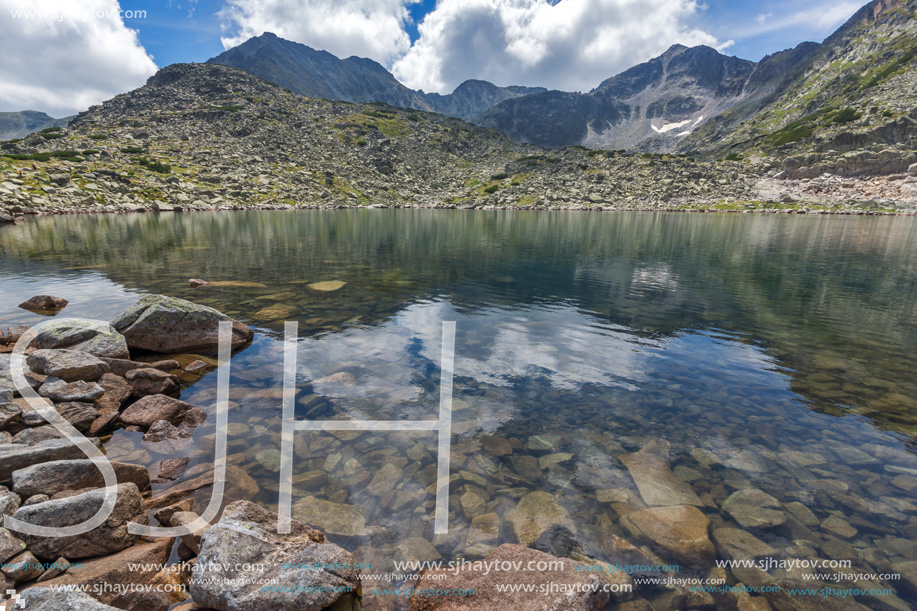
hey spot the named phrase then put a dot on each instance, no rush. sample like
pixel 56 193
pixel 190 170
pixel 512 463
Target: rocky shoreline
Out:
pixel 131 375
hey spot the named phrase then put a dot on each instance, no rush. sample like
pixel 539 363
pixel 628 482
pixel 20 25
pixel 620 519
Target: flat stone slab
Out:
pixel 657 484
pixel 14 457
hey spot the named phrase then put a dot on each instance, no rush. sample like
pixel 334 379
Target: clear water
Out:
pixel 771 352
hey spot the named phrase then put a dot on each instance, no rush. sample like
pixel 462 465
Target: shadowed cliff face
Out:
pixel 320 74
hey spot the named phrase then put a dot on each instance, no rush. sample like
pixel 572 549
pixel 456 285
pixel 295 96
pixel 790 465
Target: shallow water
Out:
pixel 771 352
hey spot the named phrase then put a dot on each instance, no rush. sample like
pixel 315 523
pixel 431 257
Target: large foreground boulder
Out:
pixel 165 324
pixel 110 537
pixel 247 536
pixel 582 590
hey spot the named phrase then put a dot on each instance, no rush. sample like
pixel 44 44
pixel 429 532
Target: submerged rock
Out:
pixel 657 484
pixel 327 286
pixel 679 531
pixel 583 590
pixel 306 572
pixel 333 518
pixel 753 508
pixel 165 324
pixel 536 514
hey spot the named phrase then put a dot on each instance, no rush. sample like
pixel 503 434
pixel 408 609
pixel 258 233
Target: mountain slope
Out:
pixel 19 124
pixel 205 136
pixel 648 107
pixel 320 74
pixel 851 109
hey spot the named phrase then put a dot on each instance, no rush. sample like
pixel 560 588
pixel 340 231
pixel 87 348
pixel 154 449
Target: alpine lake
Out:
pixel 761 369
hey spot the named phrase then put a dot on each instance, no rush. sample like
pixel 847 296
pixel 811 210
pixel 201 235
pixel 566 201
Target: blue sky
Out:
pixel 171 35
pixel 428 44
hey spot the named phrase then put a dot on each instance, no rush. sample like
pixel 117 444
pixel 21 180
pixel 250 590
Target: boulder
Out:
pixel 46 599
pixel 110 537
pixel 24 567
pixel 80 415
pixel 171 469
pixel 68 365
pixel 536 514
pixel 680 532
pixel 247 535
pixel 10 545
pixel 583 590
pixel 60 391
pixel 83 336
pixel 151 408
pixel 657 484
pixel 52 477
pixel 135 565
pixel 14 457
pixel 149 381
pixel 9 502
pixel 44 303
pixel 38 434
pixel 165 324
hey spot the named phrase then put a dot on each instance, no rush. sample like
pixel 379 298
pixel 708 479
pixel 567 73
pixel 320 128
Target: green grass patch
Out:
pixel 491 189
pixel 50 130
pixel 131 150
pixel 89 152
pixel 228 108
pixel 53 136
pixel 500 176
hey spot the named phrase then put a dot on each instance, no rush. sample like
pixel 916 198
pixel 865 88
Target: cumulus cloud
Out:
pixel 565 44
pixel 366 28
pixel 62 56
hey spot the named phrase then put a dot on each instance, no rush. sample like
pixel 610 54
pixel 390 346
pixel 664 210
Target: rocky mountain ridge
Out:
pixel 23 123
pixel 207 137
pixel 320 74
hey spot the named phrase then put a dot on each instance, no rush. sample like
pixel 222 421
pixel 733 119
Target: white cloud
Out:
pixel 78 53
pixel 565 44
pixel 366 28
pixel 819 19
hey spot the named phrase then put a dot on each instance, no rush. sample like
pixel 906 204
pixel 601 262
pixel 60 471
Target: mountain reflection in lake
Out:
pixel 758 368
